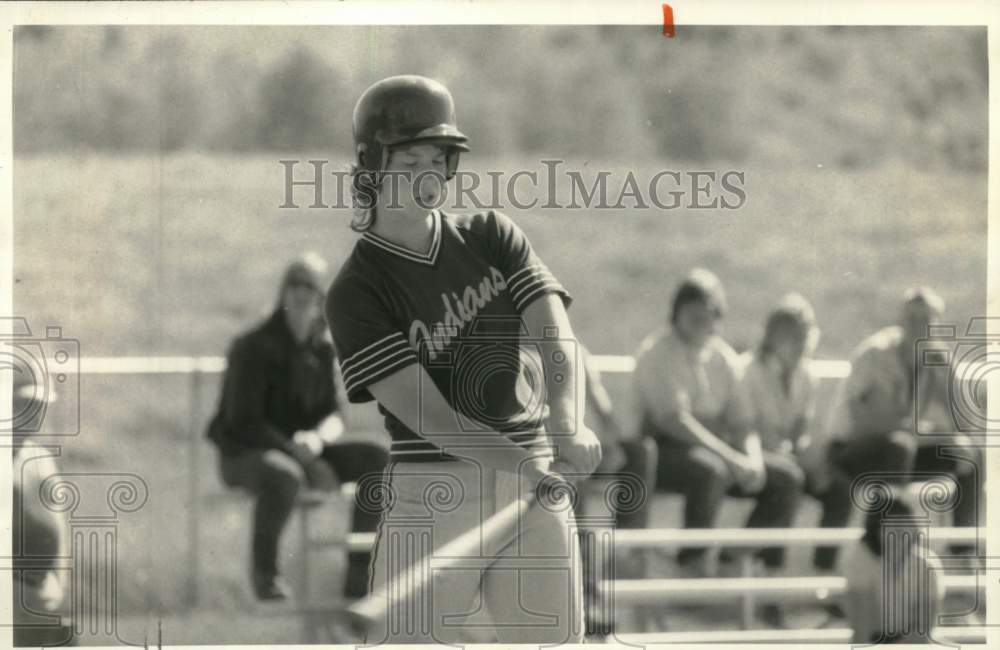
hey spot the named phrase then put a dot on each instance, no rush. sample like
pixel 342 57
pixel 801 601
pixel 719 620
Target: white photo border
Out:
pixel 689 12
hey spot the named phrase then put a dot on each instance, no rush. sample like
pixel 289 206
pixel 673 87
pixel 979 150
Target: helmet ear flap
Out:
pixel 452 160
pixel 362 154
pixel 385 159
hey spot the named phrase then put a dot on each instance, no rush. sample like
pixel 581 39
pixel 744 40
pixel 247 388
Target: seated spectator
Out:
pixel 873 588
pixel 874 421
pixel 39 533
pixel 782 397
pixel 278 424
pixel 694 408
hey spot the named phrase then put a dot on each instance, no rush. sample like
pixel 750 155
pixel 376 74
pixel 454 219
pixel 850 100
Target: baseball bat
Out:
pixel 373 609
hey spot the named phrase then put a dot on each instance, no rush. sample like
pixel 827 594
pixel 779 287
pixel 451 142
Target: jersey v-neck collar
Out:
pixel 428 258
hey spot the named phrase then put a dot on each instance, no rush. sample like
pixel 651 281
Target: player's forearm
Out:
pixel 547 322
pixel 564 386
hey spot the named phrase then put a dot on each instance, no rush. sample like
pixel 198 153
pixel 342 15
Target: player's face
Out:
pixel 415 178
pixel 698 321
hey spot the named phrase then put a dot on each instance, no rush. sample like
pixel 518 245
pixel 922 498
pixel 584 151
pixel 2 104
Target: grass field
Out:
pixel 147 255
pixel 163 256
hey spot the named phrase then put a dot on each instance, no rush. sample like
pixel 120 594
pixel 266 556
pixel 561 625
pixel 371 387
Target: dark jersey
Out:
pixel 456 311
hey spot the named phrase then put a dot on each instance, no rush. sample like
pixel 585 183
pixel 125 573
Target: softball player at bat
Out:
pixel 433 316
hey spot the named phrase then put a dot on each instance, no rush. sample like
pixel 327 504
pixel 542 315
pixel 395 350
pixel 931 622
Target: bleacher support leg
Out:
pixel 194 485
pixel 746 600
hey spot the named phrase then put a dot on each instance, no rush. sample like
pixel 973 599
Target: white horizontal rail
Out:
pixel 743 537
pixel 762 537
pixel 959 634
pixel 151 365
pixel 692 590
pixel 606 363
pixel 360 541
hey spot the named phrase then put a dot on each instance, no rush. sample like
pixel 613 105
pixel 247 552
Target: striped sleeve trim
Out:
pixel 517 280
pixel 530 282
pixel 376 361
pixel 370 349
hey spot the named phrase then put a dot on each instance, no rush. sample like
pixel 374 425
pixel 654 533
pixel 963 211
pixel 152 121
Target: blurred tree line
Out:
pixel 841 97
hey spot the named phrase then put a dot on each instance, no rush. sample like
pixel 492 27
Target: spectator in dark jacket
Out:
pixel 279 420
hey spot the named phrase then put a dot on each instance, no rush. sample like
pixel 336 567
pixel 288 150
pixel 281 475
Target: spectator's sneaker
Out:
pixel 271 588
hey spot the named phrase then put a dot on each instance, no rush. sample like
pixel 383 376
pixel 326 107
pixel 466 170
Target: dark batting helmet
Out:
pixel 402 110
